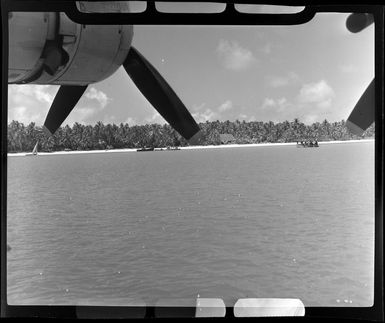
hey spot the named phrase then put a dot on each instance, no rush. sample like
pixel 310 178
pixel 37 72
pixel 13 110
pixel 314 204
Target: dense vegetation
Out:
pixel 22 138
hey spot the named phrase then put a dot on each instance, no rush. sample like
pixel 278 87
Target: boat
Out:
pixel 34 151
pixel 146 149
pixel 168 148
pixel 307 144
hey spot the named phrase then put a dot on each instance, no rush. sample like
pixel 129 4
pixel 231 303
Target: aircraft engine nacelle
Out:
pixel 49 48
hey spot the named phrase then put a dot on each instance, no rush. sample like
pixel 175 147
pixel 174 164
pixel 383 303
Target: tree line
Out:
pixel 22 138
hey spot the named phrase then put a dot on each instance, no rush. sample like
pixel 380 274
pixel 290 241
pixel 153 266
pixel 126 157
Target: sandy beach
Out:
pixel 182 148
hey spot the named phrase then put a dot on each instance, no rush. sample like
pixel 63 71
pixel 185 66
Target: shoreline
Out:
pixel 125 150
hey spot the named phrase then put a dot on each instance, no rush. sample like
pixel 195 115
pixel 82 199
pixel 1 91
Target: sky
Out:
pixel 254 73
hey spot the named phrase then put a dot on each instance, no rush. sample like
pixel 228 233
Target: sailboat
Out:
pixel 34 151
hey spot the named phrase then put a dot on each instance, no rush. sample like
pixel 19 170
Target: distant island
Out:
pixel 23 138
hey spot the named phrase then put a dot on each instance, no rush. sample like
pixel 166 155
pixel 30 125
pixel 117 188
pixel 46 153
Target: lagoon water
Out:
pixel 125 228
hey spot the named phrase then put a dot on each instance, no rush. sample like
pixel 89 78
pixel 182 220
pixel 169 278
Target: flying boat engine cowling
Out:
pixel 49 48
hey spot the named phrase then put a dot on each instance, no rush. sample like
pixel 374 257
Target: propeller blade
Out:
pixel 362 115
pixel 162 97
pixel 65 100
pixel 359 21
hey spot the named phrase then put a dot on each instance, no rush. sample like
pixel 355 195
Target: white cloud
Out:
pixel 280 81
pixel 130 121
pixel 247 118
pixel 234 57
pixel 155 118
pixel 320 94
pixel 207 115
pixel 268 103
pixel 278 110
pixel 41 93
pixel 201 115
pixel 198 107
pixel 99 96
pixel 310 105
pixel 86 110
pixel 311 118
pixel 225 106
pixel 276 105
pixel 19 113
pixel 81 115
pixel 30 103
pixel 219 113
pixel 198 111
pixel 24 115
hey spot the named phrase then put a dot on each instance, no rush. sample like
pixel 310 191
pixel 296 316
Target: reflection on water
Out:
pixel 228 223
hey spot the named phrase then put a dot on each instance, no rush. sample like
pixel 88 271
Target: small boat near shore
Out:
pixel 169 148
pixel 146 149
pixel 307 144
pixel 34 151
